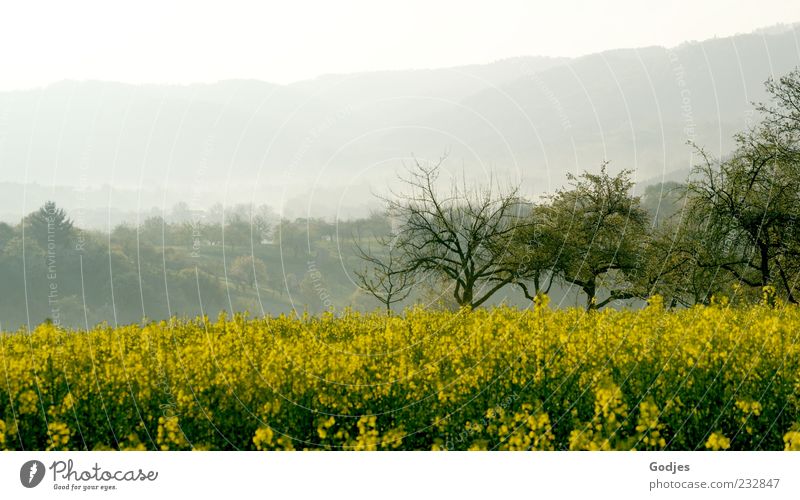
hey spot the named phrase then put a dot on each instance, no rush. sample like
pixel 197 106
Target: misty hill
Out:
pixel 323 146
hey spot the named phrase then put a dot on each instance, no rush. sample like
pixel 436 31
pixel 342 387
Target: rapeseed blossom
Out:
pixel 708 377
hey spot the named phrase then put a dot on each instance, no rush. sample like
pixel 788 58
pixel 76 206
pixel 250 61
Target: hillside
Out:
pixel 322 146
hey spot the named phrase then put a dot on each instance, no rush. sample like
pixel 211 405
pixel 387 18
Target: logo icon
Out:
pixel 31 473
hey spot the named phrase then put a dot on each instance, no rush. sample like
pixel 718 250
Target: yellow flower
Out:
pixel 59 436
pixel 494 378
pixel 716 441
pixel 263 438
pixel 792 440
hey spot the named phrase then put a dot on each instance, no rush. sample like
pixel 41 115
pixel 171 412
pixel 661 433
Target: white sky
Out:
pixel 200 41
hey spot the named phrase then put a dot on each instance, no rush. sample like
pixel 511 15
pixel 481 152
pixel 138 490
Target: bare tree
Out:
pixel 382 277
pixel 463 237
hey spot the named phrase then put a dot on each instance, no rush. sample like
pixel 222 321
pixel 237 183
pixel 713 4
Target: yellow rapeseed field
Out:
pixel 709 377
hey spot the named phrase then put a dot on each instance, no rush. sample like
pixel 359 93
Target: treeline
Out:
pixel 735 235
pixel 185 264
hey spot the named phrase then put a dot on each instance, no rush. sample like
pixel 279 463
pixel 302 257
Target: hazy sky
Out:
pixel 193 41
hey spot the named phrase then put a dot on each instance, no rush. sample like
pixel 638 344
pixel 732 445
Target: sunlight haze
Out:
pixel 282 42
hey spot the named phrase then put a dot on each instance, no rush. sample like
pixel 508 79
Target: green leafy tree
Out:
pixel 248 270
pixel 748 207
pixel 50 226
pixel 600 229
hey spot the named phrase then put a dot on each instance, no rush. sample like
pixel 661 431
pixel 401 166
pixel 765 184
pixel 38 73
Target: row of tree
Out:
pixel 234 260
pixel 736 232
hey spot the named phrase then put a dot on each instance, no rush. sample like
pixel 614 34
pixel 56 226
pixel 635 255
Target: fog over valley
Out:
pixel 324 147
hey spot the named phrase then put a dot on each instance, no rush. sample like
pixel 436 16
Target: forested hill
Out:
pixel 319 147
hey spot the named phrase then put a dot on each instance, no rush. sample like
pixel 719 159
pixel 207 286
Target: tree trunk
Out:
pixel 590 289
pixel 764 264
pixel 467 296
